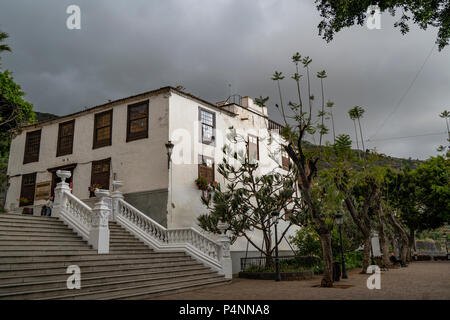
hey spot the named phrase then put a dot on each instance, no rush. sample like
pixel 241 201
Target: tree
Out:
pixel 305 164
pixel 322 75
pixel 357 113
pixel 339 14
pixel 354 115
pixel 248 199
pixel 330 106
pixel 420 196
pixel 3 46
pixel 445 115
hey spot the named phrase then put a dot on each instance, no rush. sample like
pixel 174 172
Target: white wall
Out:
pixel 140 164
pixel 184 133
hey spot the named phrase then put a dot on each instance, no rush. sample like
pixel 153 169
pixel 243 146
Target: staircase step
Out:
pixel 31 237
pixel 36 244
pixel 24 270
pixel 103 280
pixel 31 223
pixel 39 232
pixel 89 272
pixel 22 217
pixel 34 228
pixel 8 264
pixel 95 291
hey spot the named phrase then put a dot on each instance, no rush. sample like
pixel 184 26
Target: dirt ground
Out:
pixel 420 280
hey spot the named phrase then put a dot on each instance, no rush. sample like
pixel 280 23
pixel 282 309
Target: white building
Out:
pixel 125 140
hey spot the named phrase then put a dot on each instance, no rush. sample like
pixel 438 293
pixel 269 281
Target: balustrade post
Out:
pixel 116 196
pixel 99 233
pixel 224 252
pixel 59 202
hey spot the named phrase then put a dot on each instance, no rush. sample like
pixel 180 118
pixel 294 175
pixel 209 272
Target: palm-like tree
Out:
pixel 446 115
pixel 3 46
pixel 322 75
pixel 306 61
pixel 330 105
pixel 296 58
pixel 353 115
pixel 277 76
pixel 359 114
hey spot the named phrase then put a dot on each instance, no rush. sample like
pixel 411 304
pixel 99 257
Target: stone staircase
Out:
pixel 36 251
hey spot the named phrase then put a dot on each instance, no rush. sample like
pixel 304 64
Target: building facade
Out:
pixel 126 140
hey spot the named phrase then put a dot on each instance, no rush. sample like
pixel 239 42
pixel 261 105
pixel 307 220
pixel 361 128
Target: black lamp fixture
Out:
pixel 339 218
pixel 169 148
pixel 275 215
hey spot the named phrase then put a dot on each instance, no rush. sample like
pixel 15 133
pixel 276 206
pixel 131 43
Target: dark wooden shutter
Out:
pixel 103 129
pixel 206 171
pixel 32 146
pixel 65 138
pixel 137 121
pixel 101 172
pixel 28 187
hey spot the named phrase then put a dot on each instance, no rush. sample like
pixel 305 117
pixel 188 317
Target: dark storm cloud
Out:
pixel 126 47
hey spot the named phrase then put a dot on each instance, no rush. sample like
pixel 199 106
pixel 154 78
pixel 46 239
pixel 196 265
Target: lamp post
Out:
pixel 275 215
pixel 339 221
pixel 169 148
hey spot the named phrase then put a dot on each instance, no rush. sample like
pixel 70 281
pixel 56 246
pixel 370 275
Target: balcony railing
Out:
pixel 275 126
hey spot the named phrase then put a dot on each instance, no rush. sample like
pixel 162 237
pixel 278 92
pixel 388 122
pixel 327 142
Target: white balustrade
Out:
pixel 214 254
pixel 91 224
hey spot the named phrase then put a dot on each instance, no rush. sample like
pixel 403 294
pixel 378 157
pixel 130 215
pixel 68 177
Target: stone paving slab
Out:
pixel 427 280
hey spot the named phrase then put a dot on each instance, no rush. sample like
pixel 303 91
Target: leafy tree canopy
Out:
pixel 338 14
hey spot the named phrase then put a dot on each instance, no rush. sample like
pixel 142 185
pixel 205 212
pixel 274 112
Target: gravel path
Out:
pixel 420 280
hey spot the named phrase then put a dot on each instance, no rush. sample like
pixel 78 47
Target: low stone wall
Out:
pixel 285 276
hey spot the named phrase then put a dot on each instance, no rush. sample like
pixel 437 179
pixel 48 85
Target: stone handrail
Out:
pixel 214 254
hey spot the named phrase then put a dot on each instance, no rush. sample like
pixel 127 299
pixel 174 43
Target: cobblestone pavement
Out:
pixel 420 280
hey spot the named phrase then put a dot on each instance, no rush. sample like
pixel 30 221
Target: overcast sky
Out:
pixel 127 47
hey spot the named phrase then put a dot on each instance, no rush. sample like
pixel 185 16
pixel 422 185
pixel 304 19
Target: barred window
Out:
pixel 206 168
pixel 103 129
pixel 253 148
pixel 32 146
pixel 65 138
pixel 137 127
pixel 208 126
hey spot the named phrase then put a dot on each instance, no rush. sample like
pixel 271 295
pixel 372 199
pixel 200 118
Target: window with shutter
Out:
pixel 100 174
pixel 206 168
pixel 103 129
pixel 253 148
pixel 65 138
pixel 32 146
pixel 137 123
pixel 284 159
pixel 207 121
pixel 27 189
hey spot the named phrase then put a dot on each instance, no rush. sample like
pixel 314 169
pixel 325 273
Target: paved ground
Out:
pixel 420 280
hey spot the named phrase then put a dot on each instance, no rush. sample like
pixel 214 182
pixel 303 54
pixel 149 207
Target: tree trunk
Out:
pixel 412 243
pixel 327 280
pixel 403 236
pixel 384 242
pixel 366 254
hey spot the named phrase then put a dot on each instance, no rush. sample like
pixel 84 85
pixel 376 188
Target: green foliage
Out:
pixel 339 14
pixel 247 199
pixel 421 195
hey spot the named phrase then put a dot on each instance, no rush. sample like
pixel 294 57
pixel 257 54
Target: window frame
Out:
pixel 28 157
pixel 285 158
pixel 31 192
pixel 102 143
pixel 257 147
pixel 203 164
pixel 107 160
pixel 213 127
pixel 140 135
pixel 59 151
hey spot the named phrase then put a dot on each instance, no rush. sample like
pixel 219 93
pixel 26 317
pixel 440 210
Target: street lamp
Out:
pixel 169 148
pixel 275 215
pixel 339 221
